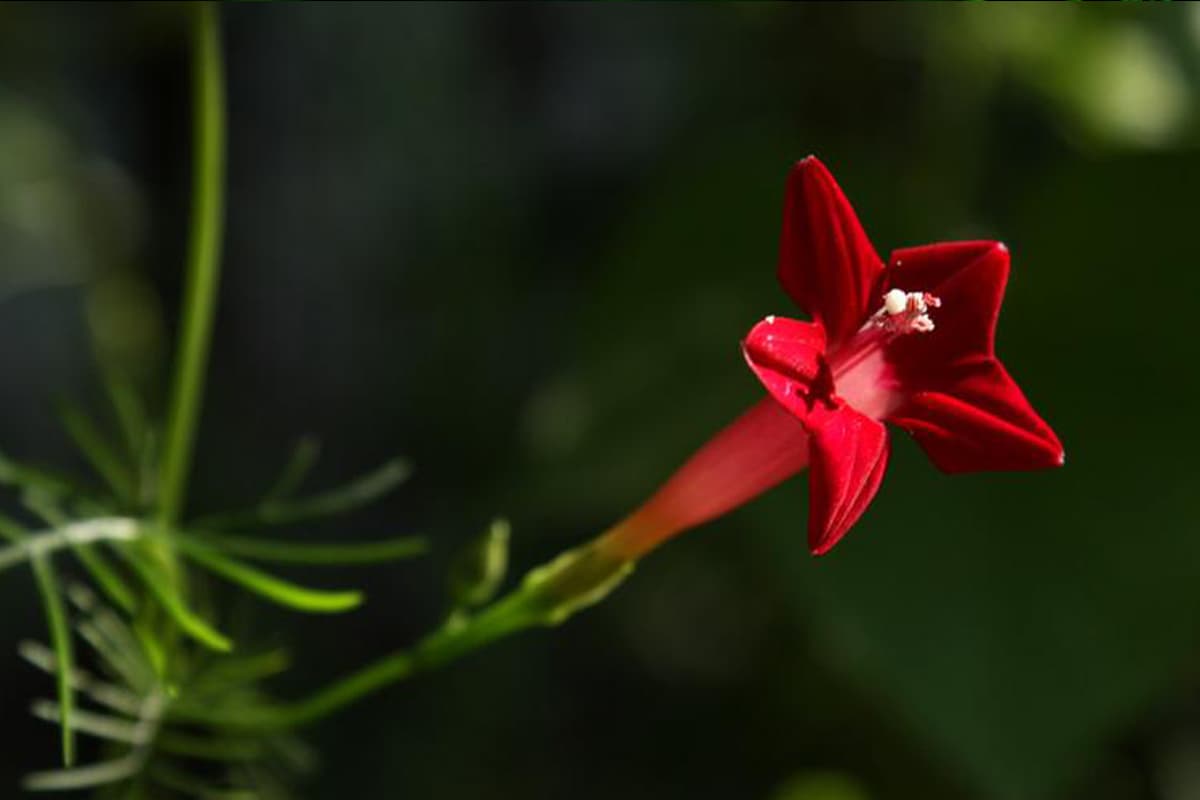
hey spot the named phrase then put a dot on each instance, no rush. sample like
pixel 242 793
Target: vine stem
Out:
pixel 444 645
pixel 546 597
pixel 203 260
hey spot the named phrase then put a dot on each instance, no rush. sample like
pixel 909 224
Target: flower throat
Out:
pixel 862 374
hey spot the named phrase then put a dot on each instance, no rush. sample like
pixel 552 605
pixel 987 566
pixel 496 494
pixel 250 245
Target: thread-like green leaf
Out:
pixel 11 530
pixel 146 631
pixel 148 470
pixel 357 493
pixel 98 451
pixel 112 584
pixel 129 410
pixel 479 569
pixel 89 723
pixel 266 585
pixel 97 566
pixel 191 786
pixel 16 552
pixel 60 639
pixel 109 695
pixel 304 456
pixel 101 774
pixel 12 555
pixel 119 648
pixel 77 537
pixel 234 670
pixel 316 553
pixel 165 593
pixel 50 482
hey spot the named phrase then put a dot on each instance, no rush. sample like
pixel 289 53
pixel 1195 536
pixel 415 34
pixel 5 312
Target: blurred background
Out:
pixel 519 245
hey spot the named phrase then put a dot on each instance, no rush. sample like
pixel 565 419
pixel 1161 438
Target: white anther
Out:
pixel 895 301
pixel 771 319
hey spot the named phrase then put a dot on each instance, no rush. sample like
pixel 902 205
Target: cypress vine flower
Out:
pixel 909 343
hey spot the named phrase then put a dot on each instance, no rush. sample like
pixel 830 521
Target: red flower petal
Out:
pixel 969 278
pixel 847 450
pixel 827 264
pixel 788 356
pixel 963 408
pixel 978 419
pixel 848 454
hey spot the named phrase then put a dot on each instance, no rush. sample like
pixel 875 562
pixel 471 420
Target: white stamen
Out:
pixel 906 312
pixel 770 319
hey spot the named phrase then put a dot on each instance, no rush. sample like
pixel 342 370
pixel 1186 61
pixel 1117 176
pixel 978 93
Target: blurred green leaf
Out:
pixel 357 493
pixel 10 530
pixel 304 456
pixel 130 412
pixel 315 553
pixel 96 565
pixel 87 777
pixel 49 482
pixel 106 577
pixel 190 785
pixel 98 450
pixel 165 592
pixel 113 640
pixel 266 585
pixel 109 695
pixel 234 670
pixel 60 638
pixel 478 570
pixel 101 726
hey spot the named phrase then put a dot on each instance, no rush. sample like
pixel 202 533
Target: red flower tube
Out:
pixel 910 343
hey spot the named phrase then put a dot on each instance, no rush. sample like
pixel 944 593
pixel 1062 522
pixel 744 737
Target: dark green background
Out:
pixel 520 244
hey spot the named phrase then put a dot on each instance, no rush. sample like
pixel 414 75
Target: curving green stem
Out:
pixel 203 260
pixel 443 645
pixel 547 596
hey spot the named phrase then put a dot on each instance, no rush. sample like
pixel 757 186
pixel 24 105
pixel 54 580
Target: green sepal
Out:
pixel 479 569
pixel 577 579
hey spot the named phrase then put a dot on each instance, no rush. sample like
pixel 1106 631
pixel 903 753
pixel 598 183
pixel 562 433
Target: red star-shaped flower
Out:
pixel 910 342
